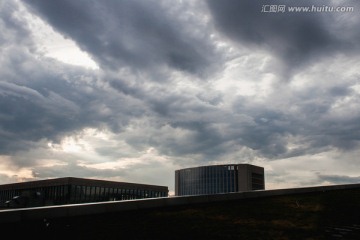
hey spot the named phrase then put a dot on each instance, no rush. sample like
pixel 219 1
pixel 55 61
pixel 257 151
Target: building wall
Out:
pixel 218 179
pixel 250 177
pixel 74 190
pixel 205 180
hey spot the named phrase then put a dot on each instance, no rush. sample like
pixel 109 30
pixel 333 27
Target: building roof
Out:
pixel 80 181
pixel 222 165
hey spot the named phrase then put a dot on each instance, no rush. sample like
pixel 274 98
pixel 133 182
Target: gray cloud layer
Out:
pixel 139 34
pixel 296 38
pixel 159 63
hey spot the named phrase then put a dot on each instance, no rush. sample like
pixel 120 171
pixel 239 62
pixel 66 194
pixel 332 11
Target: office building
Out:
pixel 219 179
pixel 70 190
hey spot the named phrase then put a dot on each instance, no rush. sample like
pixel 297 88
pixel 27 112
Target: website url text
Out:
pixel 307 9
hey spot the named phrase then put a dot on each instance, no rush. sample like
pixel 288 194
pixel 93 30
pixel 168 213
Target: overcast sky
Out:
pixel 133 90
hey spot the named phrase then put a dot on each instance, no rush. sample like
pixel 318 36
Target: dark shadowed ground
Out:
pixel 325 215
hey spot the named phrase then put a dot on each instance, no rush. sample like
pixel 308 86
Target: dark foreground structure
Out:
pixel 323 213
pixel 70 190
pixel 219 179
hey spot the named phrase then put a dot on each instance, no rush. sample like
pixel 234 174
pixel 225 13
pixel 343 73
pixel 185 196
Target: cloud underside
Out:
pixel 177 88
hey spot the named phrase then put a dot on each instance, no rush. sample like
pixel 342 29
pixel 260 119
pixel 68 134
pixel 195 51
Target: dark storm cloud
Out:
pixel 204 139
pixel 149 117
pixel 46 107
pixel 309 120
pixel 154 89
pixel 48 100
pixel 296 38
pixel 139 34
pixel 322 121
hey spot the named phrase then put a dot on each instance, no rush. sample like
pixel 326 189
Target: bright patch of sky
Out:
pixel 50 43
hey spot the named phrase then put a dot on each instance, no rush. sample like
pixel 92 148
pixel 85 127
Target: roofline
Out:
pixel 221 165
pixel 75 180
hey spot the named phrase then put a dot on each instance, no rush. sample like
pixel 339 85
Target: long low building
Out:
pixel 70 190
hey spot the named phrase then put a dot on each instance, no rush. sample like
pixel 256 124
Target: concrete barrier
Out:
pixel 50 212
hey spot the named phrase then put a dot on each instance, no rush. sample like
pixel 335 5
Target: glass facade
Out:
pixel 83 194
pixel 207 180
pixel 218 179
pixel 71 192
